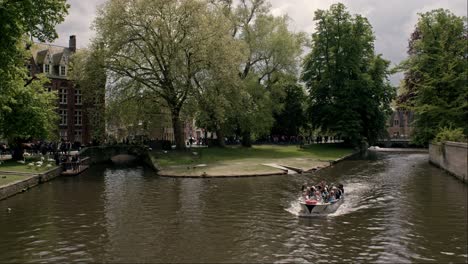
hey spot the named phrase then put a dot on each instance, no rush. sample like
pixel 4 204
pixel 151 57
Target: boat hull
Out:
pixel 308 210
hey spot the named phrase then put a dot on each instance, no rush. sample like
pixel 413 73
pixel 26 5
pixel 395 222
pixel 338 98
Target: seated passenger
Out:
pixel 318 196
pixel 332 197
pixel 338 194
pixel 325 195
pixel 340 186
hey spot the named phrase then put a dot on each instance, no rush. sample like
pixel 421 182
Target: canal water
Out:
pixel 397 209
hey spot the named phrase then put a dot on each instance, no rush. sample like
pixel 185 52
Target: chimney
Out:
pixel 72 43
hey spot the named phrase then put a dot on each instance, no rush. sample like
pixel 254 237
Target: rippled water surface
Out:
pixel 398 208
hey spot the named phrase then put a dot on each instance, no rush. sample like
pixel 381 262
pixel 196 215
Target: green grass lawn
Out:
pixel 238 160
pixel 11 165
pixel 4 180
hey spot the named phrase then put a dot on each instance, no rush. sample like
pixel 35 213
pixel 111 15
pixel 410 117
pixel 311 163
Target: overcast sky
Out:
pixel 392 20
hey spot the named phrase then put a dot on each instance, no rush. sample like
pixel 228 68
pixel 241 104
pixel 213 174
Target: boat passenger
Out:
pixel 325 194
pixel 337 193
pixel 313 189
pixel 332 197
pixel 318 196
pixel 340 186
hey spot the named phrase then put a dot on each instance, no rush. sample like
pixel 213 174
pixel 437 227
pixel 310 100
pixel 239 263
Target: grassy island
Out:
pixel 233 161
pixel 27 167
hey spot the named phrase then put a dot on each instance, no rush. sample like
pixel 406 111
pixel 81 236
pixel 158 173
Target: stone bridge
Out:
pixel 394 142
pixel 107 153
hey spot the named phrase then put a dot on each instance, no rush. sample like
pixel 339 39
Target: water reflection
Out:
pixel 398 208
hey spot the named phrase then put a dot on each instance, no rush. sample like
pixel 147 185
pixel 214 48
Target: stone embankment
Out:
pixel 452 157
pixel 29 180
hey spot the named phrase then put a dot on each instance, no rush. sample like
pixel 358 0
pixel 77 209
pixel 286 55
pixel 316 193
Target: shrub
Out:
pixel 450 134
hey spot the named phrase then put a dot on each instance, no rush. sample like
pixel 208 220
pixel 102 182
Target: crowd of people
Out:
pixel 322 193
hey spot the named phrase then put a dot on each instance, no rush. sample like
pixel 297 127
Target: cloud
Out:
pixel 78 22
pixel 392 21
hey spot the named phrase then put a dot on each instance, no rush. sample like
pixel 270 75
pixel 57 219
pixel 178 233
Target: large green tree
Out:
pixel 349 92
pixel 270 48
pixel 436 71
pixel 32 18
pixel 26 109
pixel 161 45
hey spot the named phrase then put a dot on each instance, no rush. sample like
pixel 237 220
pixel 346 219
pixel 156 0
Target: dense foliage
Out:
pixel 349 93
pixel 161 46
pixel 290 118
pixel 89 75
pixel 26 109
pixel 450 134
pixel 436 70
pixel 211 56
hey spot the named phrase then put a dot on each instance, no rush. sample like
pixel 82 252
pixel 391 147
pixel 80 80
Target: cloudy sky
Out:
pixel 392 20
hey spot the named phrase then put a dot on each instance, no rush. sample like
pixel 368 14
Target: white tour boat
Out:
pixel 310 207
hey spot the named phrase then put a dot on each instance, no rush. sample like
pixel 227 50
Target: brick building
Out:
pixel 400 124
pixel 53 61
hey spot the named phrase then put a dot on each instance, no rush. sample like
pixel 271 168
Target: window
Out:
pixel 46 68
pixel 78 97
pixel 63 117
pixel 63 135
pixel 78 136
pixel 63 71
pixel 49 89
pixel 78 118
pixel 63 96
pixel 395 122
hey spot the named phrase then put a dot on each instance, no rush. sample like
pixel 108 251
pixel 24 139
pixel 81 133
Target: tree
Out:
pixel 32 115
pixel 161 45
pixel 26 109
pixel 270 48
pixel 435 75
pixel 349 92
pixel 291 118
pixel 217 87
pixel 17 19
pixel 132 115
pixel 87 70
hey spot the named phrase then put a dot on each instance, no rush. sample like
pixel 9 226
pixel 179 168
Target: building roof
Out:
pixel 42 51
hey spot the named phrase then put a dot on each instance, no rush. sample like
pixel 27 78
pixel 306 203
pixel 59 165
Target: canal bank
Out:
pixel 451 157
pixel 261 160
pixel 25 181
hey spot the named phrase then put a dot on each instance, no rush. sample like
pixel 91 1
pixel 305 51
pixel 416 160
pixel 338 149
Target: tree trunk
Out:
pixel 17 150
pixel 220 138
pixel 247 139
pixel 178 127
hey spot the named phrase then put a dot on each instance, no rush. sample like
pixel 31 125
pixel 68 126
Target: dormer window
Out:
pixel 46 68
pixel 63 71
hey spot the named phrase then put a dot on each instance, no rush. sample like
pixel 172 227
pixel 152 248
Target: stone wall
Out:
pixel 28 182
pixel 452 157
